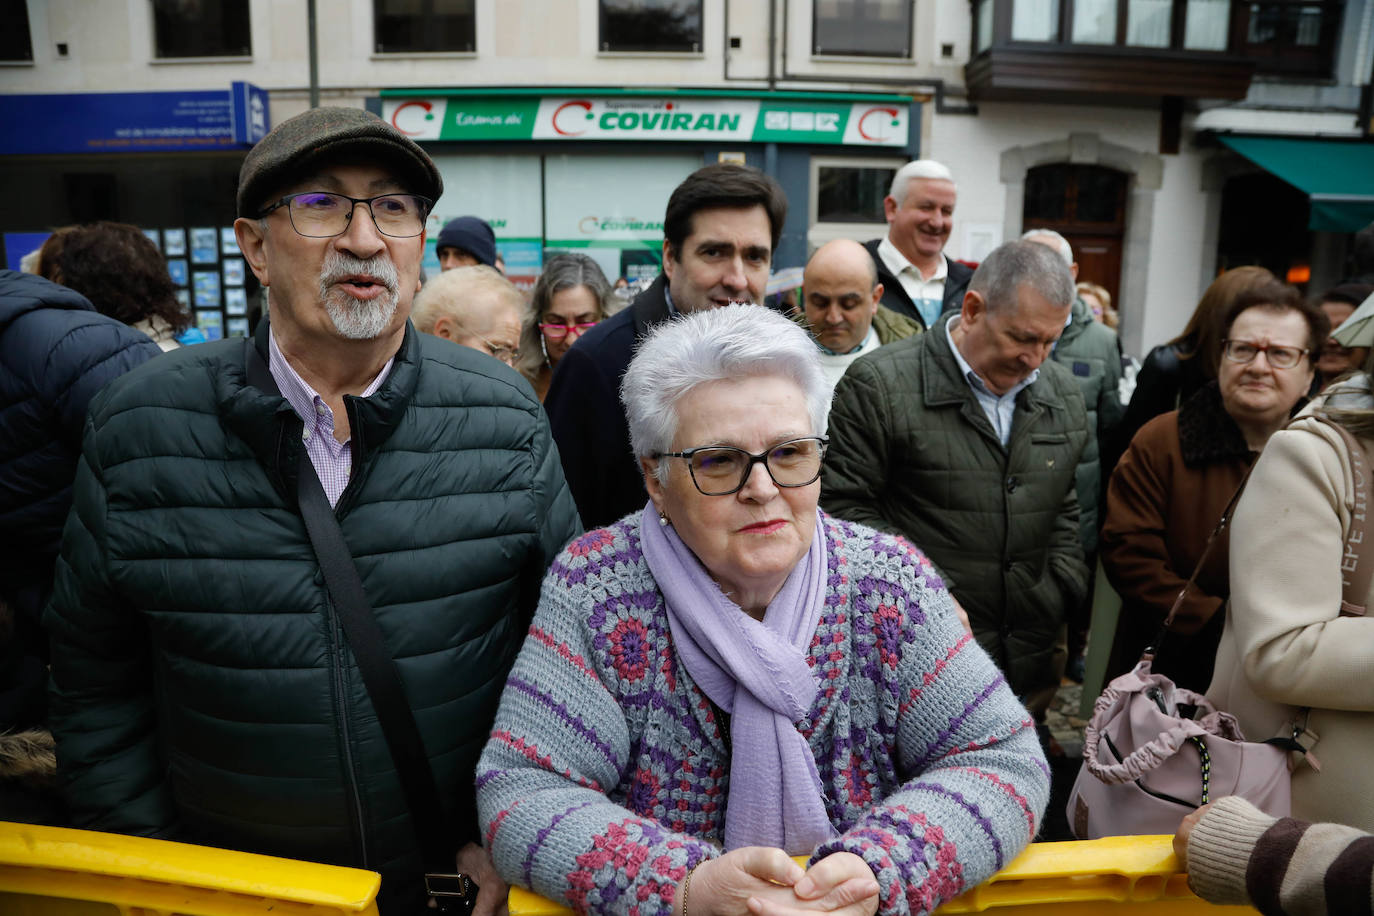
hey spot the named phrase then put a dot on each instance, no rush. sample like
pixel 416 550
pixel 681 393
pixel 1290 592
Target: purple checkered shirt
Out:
pixel 333 460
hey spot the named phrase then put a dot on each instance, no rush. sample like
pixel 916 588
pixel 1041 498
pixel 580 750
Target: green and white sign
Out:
pixel 634 117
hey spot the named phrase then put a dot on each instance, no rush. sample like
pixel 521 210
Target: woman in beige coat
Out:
pixel 1286 645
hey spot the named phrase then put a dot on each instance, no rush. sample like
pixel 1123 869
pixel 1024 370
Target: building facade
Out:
pixel 1168 139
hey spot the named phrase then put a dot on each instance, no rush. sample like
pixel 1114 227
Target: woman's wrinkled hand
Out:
pixel 840 883
pixel 724 886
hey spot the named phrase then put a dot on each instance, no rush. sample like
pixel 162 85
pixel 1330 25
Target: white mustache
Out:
pixel 338 267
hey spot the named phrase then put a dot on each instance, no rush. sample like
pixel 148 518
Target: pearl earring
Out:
pixel 662 520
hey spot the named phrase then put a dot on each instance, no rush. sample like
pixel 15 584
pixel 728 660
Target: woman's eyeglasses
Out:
pixel 1280 357
pixel 719 470
pixel 559 331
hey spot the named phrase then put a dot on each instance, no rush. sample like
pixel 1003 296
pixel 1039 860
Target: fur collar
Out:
pixel 1206 432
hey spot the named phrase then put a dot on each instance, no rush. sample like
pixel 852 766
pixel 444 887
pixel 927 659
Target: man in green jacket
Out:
pixel 204 687
pixel 965 441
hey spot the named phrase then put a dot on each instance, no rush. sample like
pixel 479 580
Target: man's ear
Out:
pixel 890 207
pixel 668 263
pixel 974 308
pixel 1073 269
pixel 877 297
pixel 252 239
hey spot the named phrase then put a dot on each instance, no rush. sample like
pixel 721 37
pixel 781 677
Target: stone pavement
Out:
pixel 1062 718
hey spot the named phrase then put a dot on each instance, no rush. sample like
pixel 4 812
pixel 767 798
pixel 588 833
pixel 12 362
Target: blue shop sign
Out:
pixel 134 122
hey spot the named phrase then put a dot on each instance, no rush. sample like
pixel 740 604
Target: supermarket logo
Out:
pixel 591 225
pixel 879 125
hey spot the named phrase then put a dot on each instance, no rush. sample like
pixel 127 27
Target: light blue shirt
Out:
pixel 998 409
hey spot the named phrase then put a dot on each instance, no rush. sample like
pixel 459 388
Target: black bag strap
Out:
pixel 380 677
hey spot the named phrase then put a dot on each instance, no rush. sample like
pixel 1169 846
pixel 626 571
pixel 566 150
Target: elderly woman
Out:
pixel 731 677
pixel 569 298
pixel 1181 470
pixel 1292 654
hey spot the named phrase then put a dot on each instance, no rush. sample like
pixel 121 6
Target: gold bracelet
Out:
pixel 686 888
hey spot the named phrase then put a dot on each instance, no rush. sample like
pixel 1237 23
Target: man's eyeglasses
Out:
pixel 322 214
pixel 1242 351
pixel 559 331
pixel 719 470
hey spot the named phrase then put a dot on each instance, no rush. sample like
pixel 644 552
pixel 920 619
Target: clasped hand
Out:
pixel 764 881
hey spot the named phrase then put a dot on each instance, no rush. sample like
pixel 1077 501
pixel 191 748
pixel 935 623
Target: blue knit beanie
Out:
pixel 471 234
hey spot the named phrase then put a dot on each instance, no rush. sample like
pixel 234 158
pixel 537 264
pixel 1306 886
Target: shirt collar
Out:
pixel 872 335
pixel 973 378
pixel 897 262
pixel 304 400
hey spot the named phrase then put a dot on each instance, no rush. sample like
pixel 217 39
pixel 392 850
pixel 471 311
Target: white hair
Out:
pixel 1012 265
pixel 1060 243
pixel 920 168
pixel 468 295
pixel 731 342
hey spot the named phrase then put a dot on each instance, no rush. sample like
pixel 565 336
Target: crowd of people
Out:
pixel 655 597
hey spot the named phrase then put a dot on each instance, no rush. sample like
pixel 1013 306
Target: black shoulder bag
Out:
pixel 452 892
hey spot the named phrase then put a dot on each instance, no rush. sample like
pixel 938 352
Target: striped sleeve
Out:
pixel 975 782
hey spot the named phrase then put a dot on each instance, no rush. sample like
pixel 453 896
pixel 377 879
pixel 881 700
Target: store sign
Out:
pixel 635 118
pixel 134 122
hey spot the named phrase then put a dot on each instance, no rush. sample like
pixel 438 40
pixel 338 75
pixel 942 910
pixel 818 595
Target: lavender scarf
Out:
pixel 757 672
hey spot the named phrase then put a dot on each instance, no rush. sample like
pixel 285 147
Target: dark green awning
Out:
pixel 1337 175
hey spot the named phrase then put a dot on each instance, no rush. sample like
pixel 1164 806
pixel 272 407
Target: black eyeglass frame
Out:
pixel 426 205
pixel 1262 348
pixel 760 458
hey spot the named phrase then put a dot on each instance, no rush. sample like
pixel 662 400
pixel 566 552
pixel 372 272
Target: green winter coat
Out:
pixel 1089 350
pixel 913 453
pixel 202 688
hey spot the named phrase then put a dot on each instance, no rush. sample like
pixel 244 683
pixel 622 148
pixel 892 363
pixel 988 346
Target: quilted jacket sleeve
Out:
pixel 84 361
pixel 856 464
pixel 102 703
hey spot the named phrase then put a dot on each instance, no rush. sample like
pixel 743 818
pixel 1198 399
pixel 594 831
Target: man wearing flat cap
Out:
pixel 208 679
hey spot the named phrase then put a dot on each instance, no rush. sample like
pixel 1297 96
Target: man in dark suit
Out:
pixel 719 233
pixel 918 280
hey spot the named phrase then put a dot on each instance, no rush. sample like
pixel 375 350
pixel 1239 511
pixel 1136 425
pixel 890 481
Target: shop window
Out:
pixel 869 28
pixel 851 194
pixel 201 28
pixel 1294 38
pixel 18 46
pixel 672 26
pixel 424 26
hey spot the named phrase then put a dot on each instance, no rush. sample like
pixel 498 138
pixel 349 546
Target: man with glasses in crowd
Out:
pixel 720 229
pixel 473 307
pixel 204 686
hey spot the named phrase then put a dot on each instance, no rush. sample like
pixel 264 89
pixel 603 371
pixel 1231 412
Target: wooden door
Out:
pixel 1087 205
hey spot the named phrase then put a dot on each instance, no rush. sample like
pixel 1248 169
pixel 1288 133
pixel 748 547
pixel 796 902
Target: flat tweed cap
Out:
pixel 296 147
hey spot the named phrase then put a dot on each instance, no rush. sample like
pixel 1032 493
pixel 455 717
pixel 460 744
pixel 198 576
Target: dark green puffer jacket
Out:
pixel 202 687
pixel 912 452
pixel 1089 350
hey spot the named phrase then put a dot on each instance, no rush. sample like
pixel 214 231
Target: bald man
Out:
pixel 473 307
pixel 840 301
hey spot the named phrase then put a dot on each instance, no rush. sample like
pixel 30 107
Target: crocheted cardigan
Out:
pixel 606 776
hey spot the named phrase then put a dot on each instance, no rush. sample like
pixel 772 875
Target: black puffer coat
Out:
pixel 56 352
pixel 202 686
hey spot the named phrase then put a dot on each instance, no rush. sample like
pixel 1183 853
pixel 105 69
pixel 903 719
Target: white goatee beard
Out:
pixel 357 319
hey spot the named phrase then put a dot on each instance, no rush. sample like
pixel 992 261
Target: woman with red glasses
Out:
pixel 570 297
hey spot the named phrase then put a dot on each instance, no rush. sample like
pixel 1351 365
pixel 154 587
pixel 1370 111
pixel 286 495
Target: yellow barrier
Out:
pixel 1135 875
pixel 50 871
